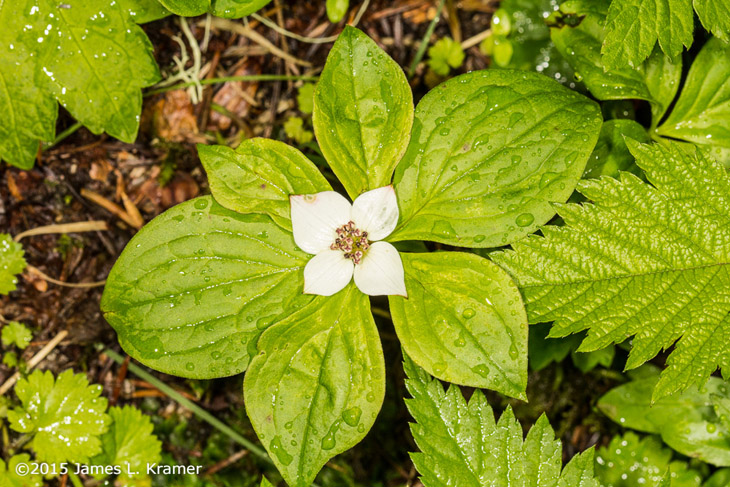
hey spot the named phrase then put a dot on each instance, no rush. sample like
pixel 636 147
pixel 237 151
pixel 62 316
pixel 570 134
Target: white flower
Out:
pixel 346 240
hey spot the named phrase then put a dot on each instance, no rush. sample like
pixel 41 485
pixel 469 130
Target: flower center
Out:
pixel 352 241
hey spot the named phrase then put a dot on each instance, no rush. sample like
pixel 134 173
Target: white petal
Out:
pixel 376 212
pixel 314 218
pixel 381 271
pixel 327 272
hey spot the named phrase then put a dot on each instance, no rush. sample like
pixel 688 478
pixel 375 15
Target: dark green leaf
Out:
pixel 363 112
pixel 195 287
pixel 611 154
pixel 490 153
pixel 317 385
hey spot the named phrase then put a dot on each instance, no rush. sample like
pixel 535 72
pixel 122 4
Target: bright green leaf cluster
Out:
pixel 692 422
pixel 629 461
pixel 90 57
pixel 9 476
pixel 294 129
pixel 461 444
pixel 12 263
pixel 17 334
pixel 648 261
pixel 445 55
pixel 64 415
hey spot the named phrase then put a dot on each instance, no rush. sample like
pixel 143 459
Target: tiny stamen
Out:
pixel 352 241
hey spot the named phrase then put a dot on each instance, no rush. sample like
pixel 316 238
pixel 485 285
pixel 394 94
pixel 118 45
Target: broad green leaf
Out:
pixel 17 334
pixel 143 11
pixel 463 321
pixel 721 478
pixel 363 112
pixel 193 290
pixel 715 17
pixel 12 262
pixel 655 80
pixel 629 461
pixel 130 443
pixel 9 477
pixel 232 9
pixel 702 110
pixel 687 421
pixel 336 9
pixel 644 260
pixel 92 58
pixel 634 27
pixel 65 416
pixel 490 153
pixel 461 445
pixel 444 55
pixel 611 155
pixel 259 176
pixel 317 384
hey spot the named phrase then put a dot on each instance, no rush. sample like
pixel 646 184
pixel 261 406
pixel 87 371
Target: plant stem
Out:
pixel 75 479
pixel 211 81
pixel 185 402
pixel 73 128
pixel 424 43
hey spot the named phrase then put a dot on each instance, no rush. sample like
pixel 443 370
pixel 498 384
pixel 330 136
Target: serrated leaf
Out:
pixel 462 445
pixel 193 290
pixel 648 261
pixel 611 155
pixel 317 385
pixel 336 9
pixel 463 321
pixel 130 443
pixel 12 262
pixel 17 334
pixel 686 421
pixel 629 461
pixel 490 153
pixel 9 476
pixel 655 80
pixel 715 17
pixel 703 107
pixel 634 27
pixel 64 415
pixel 363 112
pixel 259 176
pixel 92 58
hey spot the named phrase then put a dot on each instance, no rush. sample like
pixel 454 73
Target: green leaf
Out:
pixel 686 421
pixel 444 55
pixel 721 478
pixel 12 262
pixel 305 98
pixel 463 321
pixel 611 155
pixel 193 290
pixel 231 9
pixel 655 80
pixel 17 334
pixel 259 176
pixel 294 129
pixel 130 443
pixel 143 11
pixel 703 107
pixel 462 445
pixel 10 359
pixel 336 9
pixel 490 153
pixel 363 112
pixel 587 361
pixel 92 58
pixel 542 351
pixel 317 385
pixel 629 461
pixel 65 416
pixel 715 17
pixel 643 261
pixel 634 27
pixel 265 482
pixel 10 478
